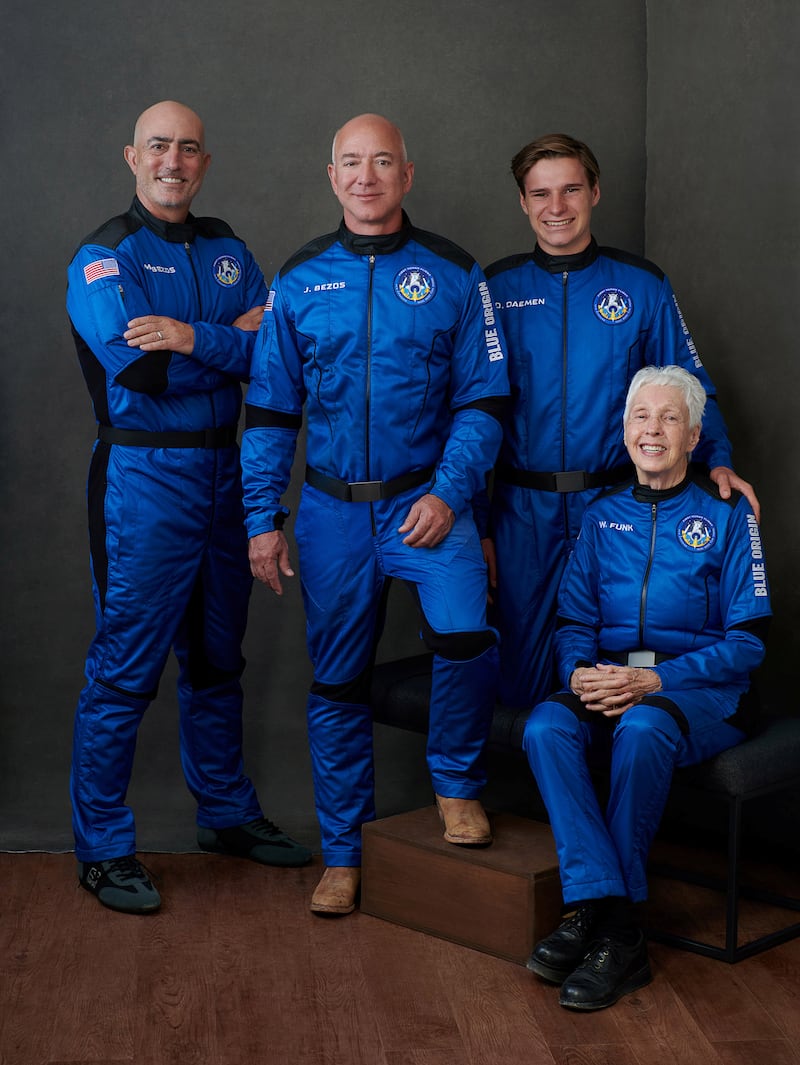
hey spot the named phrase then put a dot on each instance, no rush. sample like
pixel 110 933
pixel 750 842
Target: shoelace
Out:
pixel 128 868
pixel 264 827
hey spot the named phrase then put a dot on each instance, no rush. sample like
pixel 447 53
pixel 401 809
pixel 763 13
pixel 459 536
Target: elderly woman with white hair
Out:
pixel 663 611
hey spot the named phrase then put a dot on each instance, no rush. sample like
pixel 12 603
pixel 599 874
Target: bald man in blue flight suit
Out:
pixel 386 336
pixel 164 309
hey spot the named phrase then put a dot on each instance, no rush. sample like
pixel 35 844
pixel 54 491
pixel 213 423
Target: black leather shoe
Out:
pixel 612 968
pixel 556 956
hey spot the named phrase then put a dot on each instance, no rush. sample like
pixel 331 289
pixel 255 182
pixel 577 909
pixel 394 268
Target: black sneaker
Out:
pixel 612 968
pixel 122 884
pixel 556 956
pixel 259 840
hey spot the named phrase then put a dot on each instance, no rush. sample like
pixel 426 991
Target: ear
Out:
pixel 694 437
pixel 596 195
pixel 409 177
pixel 332 178
pixel 129 153
pixel 522 202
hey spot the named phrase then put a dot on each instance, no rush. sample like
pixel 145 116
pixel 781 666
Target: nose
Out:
pixel 366 173
pixel 557 203
pixel 172 157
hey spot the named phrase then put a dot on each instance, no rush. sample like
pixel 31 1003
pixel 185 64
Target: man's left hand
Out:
pixel 428 522
pixel 153 332
pixel 726 480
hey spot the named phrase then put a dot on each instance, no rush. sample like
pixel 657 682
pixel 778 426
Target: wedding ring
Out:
pixel 159 334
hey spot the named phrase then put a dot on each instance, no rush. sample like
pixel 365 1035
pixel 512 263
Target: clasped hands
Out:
pixel 611 690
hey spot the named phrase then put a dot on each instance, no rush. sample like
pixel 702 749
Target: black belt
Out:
pixel 644 658
pixel 562 481
pixel 366 491
pixel 209 438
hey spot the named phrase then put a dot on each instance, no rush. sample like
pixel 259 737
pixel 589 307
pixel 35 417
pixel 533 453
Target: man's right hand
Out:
pixel 269 554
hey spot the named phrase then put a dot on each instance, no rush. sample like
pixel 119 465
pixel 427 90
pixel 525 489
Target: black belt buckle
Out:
pixel 571 480
pixel 365 491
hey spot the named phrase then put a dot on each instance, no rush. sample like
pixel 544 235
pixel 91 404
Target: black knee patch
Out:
pixel 668 707
pixel 354 691
pixel 458 646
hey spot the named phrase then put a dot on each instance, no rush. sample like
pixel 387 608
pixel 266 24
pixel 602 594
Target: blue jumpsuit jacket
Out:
pixel 391 345
pixel 578 328
pixel 679 573
pixel 166 524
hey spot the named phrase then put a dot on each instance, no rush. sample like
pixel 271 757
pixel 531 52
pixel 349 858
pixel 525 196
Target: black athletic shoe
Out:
pixel 122 884
pixel 557 955
pixel 259 840
pixel 612 968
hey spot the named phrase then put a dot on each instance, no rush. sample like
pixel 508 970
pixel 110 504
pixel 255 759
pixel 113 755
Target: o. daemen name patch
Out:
pixel 612 305
pixel 697 532
pixel 227 270
pixel 414 284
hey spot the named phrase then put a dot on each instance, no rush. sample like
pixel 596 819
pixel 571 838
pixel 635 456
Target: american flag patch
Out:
pixel 101 268
pixel 270 300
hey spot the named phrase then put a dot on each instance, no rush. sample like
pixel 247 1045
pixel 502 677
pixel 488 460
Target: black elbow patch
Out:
pixel 261 418
pixel 148 374
pixel 495 406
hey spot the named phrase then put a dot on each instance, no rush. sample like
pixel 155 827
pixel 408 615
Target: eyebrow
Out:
pixel 169 140
pixel 384 153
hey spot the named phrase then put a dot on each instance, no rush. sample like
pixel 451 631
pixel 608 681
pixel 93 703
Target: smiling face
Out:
pixel 168 159
pixel 370 175
pixel 558 200
pixel 658 435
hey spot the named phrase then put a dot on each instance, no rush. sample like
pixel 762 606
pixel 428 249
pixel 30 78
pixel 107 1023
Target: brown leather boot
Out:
pixel 465 822
pixel 335 894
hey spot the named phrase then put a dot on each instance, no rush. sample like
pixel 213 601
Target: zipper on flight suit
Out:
pixel 368 397
pixel 648 568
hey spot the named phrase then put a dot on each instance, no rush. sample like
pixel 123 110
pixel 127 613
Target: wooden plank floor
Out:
pixel 234 970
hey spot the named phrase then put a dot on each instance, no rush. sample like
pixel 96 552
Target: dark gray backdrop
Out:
pixel 692 111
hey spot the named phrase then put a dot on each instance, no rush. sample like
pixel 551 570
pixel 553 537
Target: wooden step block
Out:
pixel 500 899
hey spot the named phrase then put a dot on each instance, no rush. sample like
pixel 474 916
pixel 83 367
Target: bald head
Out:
pixel 375 122
pixel 167 112
pixel 370 174
pixel 169 159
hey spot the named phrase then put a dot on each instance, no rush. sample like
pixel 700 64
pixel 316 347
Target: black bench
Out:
pixel 763 765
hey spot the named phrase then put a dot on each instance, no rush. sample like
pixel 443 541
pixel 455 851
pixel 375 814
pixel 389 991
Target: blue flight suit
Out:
pixel 577 327
pixel 166 523
pixel 391 345
pixel 680 574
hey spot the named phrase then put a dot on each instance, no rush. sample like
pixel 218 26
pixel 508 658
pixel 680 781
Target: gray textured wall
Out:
pixel 723 176
pixel 469 83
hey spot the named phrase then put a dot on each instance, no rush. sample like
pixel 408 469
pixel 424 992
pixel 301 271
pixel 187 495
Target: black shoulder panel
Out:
pixel 112 233
pixel 629 259
pixel 705 484
pixel 510 262
pixel 308 251
pixel 444 247
pixel 213 227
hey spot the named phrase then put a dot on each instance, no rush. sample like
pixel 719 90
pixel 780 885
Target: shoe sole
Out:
pixel 278 862
pixel 639 979
pixel 138 911
pixel 553 976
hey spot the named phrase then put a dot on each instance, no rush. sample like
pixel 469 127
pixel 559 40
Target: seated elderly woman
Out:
pixel 663 611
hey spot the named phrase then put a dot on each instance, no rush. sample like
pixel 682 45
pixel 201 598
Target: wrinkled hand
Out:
pixel 269 554
pixel 611 690
pixel 726 480
pixel 428 522
pixel 250 321
pixel 490 558
pixel 156 333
